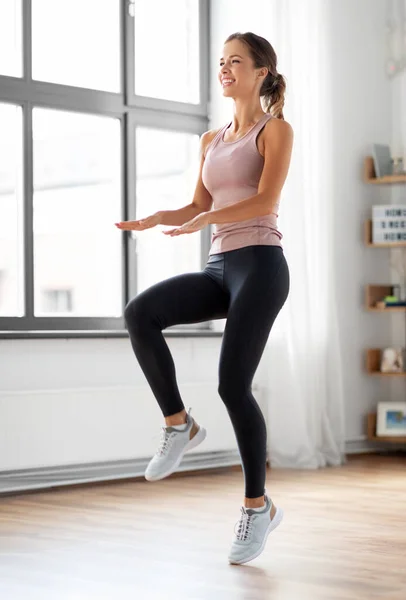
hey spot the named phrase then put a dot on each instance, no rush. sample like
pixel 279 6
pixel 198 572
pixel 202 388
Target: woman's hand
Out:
pixel 195 224
pixel 141 224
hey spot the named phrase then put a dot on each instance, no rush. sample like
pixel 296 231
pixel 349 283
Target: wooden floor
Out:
pixel 343 537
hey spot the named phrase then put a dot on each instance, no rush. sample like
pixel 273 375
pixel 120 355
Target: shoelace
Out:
pixel 244 526
pixel 166 441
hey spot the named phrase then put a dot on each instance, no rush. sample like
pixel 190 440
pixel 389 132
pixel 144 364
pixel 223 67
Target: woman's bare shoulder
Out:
pixel 207 137
pixel 280 126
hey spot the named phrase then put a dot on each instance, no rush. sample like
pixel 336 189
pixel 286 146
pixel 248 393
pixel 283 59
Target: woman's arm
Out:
pixel 278 143
pixel 201 203
pixel 202 200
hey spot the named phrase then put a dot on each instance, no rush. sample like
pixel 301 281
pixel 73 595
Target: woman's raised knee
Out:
pixel 137 315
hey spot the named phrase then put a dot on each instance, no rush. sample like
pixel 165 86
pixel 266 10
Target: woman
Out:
pixel 246 279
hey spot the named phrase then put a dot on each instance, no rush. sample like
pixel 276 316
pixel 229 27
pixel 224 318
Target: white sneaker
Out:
pixel 174 444
pixel 253 529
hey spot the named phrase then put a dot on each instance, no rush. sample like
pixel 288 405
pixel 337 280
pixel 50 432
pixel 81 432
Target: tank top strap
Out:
pixel 259 125
pixel 251 139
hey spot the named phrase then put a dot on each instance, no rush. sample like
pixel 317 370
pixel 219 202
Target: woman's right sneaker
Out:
pixel 254 527
pixel 174 444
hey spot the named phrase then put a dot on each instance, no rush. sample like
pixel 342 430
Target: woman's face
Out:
pixel 237 74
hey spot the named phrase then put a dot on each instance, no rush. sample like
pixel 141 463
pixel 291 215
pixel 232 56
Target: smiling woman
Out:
pixel 243 167
pixel 239 69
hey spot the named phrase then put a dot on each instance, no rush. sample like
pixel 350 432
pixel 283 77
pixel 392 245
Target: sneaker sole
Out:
pixel 271 527
pixel 195 441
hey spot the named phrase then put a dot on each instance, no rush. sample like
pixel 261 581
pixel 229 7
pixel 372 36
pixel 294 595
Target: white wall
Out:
pixel 362 105
pixel 398 140
pixel 398 196
pixel 363 114
pixel 73 401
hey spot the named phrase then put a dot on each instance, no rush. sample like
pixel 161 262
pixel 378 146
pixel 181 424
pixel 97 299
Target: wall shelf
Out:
pixel 369 174
pixel 371 432
pixel 388 310
pixel 370 244
pixel 375 293
pixel 373 364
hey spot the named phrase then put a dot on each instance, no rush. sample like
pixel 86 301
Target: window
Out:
pixel 170 69
pixel 85 43
pixel 11 209
pixel 166 168
pixel 11 50
pixel 2 290
pixel 76 199
pixel 100 122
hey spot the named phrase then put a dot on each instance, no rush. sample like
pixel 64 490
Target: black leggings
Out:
pixel 248 286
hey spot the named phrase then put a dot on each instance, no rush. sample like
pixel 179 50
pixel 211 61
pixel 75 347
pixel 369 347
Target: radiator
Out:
pixel 58 437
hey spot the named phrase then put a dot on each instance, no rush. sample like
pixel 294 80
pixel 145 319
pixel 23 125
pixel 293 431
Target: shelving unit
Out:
pixel 370 244
pixel 371 432
pixel 374 294
pixel 370 176
pixel 373 363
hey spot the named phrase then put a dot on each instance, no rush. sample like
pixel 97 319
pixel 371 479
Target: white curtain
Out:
pixel 304 376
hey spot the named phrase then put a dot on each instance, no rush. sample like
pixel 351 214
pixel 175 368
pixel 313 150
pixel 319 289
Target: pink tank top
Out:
pixel 231 172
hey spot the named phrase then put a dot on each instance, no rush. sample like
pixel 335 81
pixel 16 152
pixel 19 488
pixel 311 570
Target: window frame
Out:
pixel 132 111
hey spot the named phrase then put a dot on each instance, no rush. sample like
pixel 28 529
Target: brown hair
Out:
pixel 263 55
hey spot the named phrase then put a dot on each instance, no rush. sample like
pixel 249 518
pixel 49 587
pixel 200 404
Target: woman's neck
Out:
pixel 245 117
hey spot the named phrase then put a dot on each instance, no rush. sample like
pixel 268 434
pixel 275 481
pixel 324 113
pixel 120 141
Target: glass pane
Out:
pixel 167 65
pixel 167 167
pixel 77 200
pixel 11 49
pixel 77 43
pixel 11 201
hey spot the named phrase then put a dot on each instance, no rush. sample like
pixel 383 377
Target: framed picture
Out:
pixel 391 419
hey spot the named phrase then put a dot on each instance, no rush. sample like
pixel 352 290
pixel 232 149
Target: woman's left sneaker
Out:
pixel 174 444
pixel 254 527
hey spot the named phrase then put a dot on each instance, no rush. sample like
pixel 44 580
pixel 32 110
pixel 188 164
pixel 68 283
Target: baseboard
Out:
pixel 33 479
pixel 363 446
pixel 48 477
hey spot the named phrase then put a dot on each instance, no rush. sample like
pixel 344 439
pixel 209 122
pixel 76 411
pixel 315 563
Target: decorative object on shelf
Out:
pixel 373 362
pixel 391 419
pixel 398 166
pixel 392 360
pixel 368 238
pixel 383 297
pixel 389 302
pixel 371 432
pixel 382 160
pixel 395 38
pixel 398 265
pixel 388 223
